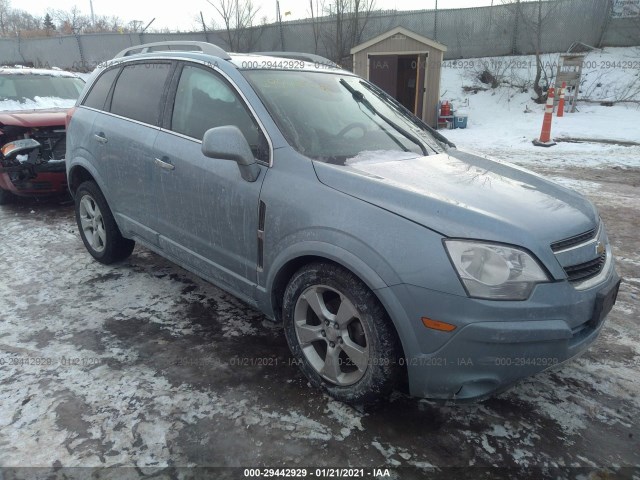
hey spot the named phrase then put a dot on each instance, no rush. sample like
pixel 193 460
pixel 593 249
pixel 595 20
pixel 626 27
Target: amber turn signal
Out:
pixel 437 325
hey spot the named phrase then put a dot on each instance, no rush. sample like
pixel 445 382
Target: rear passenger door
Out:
pixel 124 136
pixel 208 214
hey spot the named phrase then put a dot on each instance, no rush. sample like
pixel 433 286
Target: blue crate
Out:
pixel 460 121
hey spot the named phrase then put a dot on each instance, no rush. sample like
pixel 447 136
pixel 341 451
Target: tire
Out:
pixel 340 335
pixel 98 229
pixel 5 196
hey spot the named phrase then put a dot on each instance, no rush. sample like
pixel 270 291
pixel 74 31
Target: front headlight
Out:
pixel 23 146
pixel 495 272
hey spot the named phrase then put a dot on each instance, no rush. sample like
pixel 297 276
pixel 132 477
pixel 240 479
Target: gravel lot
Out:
pixel 145 365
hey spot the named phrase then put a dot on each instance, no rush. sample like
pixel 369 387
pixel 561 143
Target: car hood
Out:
pixel 458 194
pixel 34 118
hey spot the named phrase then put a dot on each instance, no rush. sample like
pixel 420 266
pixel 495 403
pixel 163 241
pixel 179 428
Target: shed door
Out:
pixel 383 72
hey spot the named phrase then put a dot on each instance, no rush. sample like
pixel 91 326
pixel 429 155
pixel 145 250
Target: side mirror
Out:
pixel 228 143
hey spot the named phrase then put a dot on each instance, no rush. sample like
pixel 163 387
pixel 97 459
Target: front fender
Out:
pixel 83 163
pixel 361 268
pixel 336 254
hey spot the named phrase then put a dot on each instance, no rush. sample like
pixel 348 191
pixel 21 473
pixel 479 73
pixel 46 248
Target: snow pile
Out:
pixel 610 74
pixel 503 121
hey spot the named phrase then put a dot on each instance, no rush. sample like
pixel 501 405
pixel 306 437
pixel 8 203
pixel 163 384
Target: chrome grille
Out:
pixel 573 241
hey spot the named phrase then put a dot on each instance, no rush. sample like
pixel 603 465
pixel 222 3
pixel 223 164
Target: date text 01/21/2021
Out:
pixel 428 361
pixel 317 472
pixel 13 361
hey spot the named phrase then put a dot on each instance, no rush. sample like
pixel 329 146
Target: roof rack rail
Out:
pixel 307 57
pixel 173 46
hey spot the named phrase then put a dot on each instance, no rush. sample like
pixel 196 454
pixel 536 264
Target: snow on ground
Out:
pixel 503 122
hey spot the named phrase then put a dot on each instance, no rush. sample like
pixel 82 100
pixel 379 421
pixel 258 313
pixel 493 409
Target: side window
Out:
pixel 98 94
pixel 138 91
pixel 205 100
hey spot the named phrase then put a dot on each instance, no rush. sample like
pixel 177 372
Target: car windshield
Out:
pixel 335 118
pixel 28 91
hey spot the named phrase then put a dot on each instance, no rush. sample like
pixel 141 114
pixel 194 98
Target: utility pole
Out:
pixel 491 15
pixel 605 22
pixel 279 18
pixel 516 30
pixel 148 24
pixel 93 16
pixel 204 28
pixel 435 23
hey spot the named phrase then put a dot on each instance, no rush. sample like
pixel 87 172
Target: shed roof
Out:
pixel 402 31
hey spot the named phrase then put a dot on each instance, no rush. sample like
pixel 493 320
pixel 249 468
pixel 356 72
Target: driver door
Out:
pixel 208 215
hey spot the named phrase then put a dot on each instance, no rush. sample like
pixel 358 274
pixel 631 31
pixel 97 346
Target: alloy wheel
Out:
pixel 332 335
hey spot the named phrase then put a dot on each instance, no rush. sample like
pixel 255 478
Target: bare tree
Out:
pixel 5 8
pixel 350 18
pixel 532 27
pixel 536 30
pixel 315 9
pixel 105 23
pixel 21 21
pixel 15 21
pixel 239 19
pixel 71 21
pixel 135 25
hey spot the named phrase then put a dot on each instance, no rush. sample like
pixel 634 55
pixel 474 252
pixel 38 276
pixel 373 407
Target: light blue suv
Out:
pixel 391 257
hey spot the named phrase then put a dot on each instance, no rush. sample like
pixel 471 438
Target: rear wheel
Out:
pixel 98 229
pixel 5 196
pixel 340 335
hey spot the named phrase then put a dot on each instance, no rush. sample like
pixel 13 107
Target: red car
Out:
pixel 33 106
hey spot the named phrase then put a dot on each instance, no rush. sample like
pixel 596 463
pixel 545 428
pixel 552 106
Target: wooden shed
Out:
pixel 405 65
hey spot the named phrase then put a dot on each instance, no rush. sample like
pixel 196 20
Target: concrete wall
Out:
pixel 468 33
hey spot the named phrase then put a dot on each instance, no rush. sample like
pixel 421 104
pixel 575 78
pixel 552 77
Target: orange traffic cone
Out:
pixel 545 134
pixel 561 101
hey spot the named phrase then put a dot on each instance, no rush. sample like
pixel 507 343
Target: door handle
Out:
pixel 100 137
pixel 165 165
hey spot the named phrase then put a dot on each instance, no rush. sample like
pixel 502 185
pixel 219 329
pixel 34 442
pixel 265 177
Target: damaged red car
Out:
pixel 33 107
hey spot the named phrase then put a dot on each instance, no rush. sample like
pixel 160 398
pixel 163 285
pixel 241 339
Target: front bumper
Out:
pixel 497 343
pixel 44 179
pixel 51 183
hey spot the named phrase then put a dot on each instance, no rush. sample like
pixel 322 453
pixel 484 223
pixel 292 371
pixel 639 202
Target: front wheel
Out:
pixel 98 229
pixel 340 335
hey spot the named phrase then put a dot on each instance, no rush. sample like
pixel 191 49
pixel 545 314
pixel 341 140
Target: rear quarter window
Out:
pixel 100 90
pixel 138 91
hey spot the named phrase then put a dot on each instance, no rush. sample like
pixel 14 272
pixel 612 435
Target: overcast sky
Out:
pixel 167 14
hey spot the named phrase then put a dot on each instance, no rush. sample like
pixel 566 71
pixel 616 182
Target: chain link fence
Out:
pixel 467 33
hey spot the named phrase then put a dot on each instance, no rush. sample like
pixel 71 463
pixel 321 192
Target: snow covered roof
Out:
pixel 38 103
pixel 399 31
pixel 52 72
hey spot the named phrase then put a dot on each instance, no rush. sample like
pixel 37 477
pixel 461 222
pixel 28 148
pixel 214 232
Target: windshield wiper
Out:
pixel 380 94
pixel 360 98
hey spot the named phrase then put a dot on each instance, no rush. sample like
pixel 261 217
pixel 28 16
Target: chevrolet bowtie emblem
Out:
pixel 600 248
